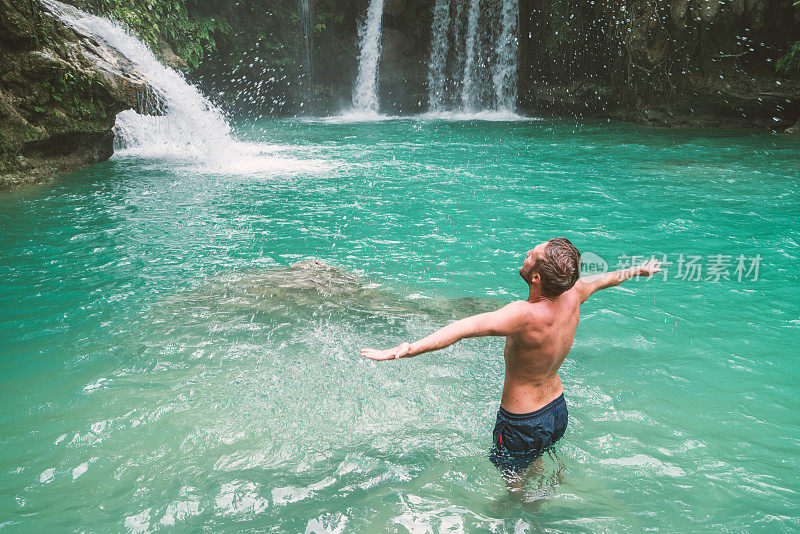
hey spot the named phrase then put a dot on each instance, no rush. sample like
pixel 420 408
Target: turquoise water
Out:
pixel 157 371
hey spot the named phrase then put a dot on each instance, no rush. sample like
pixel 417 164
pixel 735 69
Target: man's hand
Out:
pixel 588 285
pixel 648 268
pixel 389 354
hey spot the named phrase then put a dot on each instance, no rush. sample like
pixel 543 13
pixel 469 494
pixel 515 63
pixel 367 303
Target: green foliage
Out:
pixel 326 16
pixel 790 62
pixel 223 34
pixel 69 93
pixel 184 24
pixel 417 16
pixel 6 145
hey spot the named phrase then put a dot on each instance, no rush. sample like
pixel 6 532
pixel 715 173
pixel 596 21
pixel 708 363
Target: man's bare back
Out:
pixel 534 355
pixel 539 334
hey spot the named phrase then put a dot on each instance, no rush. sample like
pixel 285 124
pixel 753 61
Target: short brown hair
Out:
pixel 559 268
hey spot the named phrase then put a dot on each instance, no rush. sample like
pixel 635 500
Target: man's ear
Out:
pixel 535 278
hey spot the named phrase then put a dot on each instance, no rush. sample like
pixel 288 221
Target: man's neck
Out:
pixel 535 294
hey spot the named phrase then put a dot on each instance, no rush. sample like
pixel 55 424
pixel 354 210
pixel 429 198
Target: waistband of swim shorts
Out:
pixel 544 409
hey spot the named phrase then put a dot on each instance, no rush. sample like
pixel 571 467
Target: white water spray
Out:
pixel 189 127
pixel 457 38
pixel 365 93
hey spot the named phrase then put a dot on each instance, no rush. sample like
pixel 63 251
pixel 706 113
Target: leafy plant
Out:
pixel 789 63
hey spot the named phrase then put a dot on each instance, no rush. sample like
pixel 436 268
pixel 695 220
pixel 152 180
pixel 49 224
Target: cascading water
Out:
pixel 365 93
pixel 307 46
pixel 188 125
pixel 468 85
pixel 456 36
pixel 505 73
pixel 439 49
pixel 480 75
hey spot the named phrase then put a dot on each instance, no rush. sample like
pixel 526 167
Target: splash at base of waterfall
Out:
pixel 159 138
pixel 489 115
pixel 238 158
pixel 359 115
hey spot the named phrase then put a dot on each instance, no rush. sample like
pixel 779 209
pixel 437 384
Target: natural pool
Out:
pixel 155 372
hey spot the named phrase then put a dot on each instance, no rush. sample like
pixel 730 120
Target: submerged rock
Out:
pixel 60 92
pixel 316 275
pixel 312 286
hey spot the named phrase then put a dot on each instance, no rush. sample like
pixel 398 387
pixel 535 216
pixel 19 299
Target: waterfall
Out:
pixel 188 125
pixel 468 84
pixel 439 48
pixel 459 42
pixel 480 75
pixel 505 73
pixel 307 47
pixel 365 94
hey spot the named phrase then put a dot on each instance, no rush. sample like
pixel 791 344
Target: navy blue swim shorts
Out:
pixel 521 438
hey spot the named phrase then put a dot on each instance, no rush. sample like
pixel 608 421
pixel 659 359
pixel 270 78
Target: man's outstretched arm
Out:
pixel 590 284
pixel 505 321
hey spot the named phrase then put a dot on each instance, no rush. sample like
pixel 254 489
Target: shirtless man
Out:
pixel 539 334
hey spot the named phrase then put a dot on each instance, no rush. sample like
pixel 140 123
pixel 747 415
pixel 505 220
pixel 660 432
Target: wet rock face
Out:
pixel 59 95
pixel 405 41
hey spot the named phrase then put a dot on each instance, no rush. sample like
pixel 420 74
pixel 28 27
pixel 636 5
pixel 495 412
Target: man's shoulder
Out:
pixel 548 311
pixel 517 312
pixel 542 312
pixel 520 307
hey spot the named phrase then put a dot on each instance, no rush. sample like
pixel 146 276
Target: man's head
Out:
pixel 554 265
